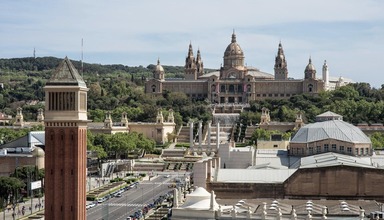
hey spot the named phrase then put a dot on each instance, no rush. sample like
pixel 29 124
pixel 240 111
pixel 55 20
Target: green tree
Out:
pixel 377 140
pixel 10 188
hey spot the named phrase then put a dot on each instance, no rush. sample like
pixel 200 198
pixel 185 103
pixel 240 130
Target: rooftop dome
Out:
pixel 310 66
pixel 310 71
pixel 233 48
pixel 159 67
pixel 233 55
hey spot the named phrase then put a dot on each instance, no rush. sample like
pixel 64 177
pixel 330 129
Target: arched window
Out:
pixel 310 88
pixel 249 88
pixel 222 88
pixel 231 88
pixel 153 88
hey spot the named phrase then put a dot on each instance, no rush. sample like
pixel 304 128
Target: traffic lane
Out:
pixel 131 200
pixel 116 208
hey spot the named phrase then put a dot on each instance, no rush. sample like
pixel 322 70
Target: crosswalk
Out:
pixel 122 204
pixel 157 183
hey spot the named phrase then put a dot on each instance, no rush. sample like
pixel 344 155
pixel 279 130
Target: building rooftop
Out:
pixel 333 129
pixel 333 159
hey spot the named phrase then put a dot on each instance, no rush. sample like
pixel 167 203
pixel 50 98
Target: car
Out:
pixel 118 194
pixel 167 176
pixel 101 200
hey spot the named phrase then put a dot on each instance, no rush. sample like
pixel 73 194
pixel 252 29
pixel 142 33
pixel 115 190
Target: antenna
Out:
pixel 82 66
pixel 34 53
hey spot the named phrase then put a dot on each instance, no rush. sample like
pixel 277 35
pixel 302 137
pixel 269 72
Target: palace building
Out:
pixel 238 83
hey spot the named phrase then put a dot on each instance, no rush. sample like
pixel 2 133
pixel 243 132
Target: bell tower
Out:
pixel 199 64
pixel 65 144
pixel 190 65
pixel 281 70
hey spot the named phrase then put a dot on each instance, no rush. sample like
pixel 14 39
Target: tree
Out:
pixel 10 188
pixel 377 140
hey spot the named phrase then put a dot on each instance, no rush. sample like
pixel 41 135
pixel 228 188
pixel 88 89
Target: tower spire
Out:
pixel 233 36
pixel 190 65
pixel 281 68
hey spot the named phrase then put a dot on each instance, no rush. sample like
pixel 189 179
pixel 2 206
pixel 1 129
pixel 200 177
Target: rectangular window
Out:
pixel 334 147
pixel 275 145
pixel 349 150
pixel 366 151
pixel 326 147
pixel 341 148
pixel 318 149
pixel 356 151
pixel 310 150
pixel 362 151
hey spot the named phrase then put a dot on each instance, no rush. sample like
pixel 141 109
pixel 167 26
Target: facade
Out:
pixel 235 82
pixel 65 144
pixel 331 134
pixel 157 131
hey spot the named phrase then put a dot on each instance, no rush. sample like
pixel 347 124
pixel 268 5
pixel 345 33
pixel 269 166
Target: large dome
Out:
pixel 233 55
pixel 233 48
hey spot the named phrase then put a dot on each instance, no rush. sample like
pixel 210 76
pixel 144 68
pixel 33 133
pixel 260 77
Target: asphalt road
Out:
pixel 118 208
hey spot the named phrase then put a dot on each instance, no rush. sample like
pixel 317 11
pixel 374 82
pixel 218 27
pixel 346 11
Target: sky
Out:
pixel 348 34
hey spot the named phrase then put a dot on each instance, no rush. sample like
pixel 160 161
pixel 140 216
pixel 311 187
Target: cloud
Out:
pixel 348 33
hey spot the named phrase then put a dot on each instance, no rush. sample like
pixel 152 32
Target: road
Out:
pixel 118 208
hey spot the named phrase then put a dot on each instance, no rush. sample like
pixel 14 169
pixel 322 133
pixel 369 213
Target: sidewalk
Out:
pixel 23 209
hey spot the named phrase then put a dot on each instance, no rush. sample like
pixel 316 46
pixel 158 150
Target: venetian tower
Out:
pixel 65 144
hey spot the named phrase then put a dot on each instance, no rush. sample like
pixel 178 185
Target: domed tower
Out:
pixel 190 65
pixel 199 64
pixel 158 73
pixel 281 70
pixel 233 55
pixel 310 71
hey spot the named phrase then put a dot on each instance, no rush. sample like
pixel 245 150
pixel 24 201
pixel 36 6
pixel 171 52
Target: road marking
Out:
pixel 123 204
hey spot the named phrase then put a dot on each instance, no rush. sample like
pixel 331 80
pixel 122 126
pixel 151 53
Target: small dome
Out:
pixel 159 68
pixel 233 48
pixel 38 152
pixel 310 66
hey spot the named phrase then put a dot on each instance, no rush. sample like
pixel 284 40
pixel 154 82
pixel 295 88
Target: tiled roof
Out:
pixel 334 129
pixel 334 159
pixel 328 114
pixel 66 74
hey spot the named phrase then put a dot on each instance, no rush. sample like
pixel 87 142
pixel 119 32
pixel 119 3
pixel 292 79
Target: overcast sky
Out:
pixel 348 34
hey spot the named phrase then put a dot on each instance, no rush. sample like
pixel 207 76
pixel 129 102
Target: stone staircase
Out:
pixel 173 153
pixel 148 167
pixel 249 131
pixel 183 136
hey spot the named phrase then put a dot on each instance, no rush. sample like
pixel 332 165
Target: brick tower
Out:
pixel 65 144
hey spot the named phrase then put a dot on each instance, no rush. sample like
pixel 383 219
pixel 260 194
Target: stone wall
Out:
pixel 336 182
pixel 246 190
